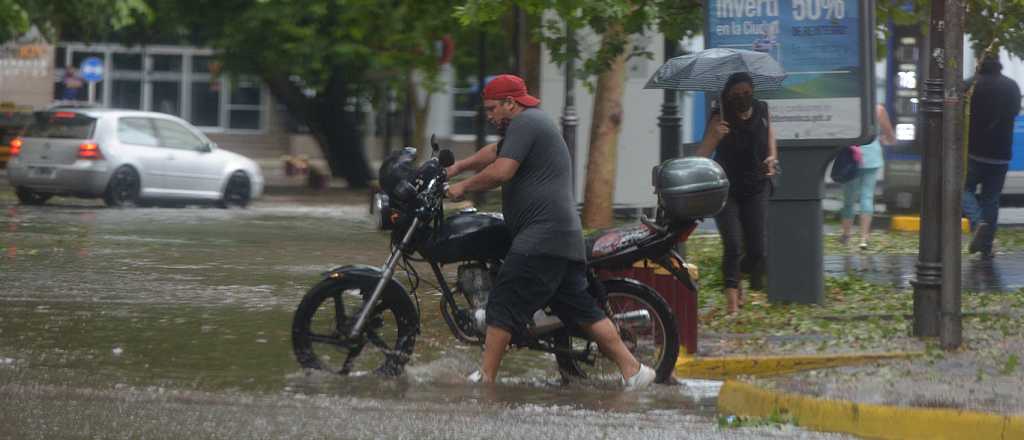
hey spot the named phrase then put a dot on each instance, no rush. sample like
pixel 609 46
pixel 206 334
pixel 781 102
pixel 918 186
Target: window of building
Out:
pixel 166 97
pixel 467 100
pixel 128 62
pixel 126 81
pixel 166 63
pixel 205 92
pixel 127 93
pixel 181 81
pixel 244 108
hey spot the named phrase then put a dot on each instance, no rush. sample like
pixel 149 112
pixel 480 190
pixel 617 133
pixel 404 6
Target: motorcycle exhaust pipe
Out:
pixel 633 317
pixel 542 322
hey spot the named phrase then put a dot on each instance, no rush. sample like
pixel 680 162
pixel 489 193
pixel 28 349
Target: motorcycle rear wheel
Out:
pixel 322 321
pixel 654 341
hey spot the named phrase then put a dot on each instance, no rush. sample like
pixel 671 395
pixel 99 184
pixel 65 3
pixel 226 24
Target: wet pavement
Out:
pixel 1000 274
pixel 175 323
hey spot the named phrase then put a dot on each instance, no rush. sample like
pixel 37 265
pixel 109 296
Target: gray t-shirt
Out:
pixel 538 203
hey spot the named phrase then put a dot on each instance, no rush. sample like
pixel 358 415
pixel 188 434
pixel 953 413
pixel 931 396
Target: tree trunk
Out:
pixel 421 114
pixel 337 131
pixel 604 139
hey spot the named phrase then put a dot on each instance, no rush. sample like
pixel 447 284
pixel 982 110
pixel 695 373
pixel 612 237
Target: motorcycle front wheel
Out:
pixel 329 310
pixel 646 325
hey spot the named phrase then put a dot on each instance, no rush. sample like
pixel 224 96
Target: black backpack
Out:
pixel 845 165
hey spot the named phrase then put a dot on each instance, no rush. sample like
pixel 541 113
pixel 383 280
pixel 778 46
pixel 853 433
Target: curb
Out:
pixel 866 420
pixel 912 223
pixel 727 367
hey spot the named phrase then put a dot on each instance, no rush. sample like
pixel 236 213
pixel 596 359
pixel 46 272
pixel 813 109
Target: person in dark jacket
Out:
pixel 741 138
pixel 994 106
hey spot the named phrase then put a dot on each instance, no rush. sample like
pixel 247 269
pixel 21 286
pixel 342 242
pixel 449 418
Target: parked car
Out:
pixel 13 119
pixel 127 157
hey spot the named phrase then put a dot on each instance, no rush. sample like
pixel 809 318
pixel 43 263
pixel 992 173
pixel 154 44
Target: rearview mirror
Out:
pixel 205 148
pixel 446 157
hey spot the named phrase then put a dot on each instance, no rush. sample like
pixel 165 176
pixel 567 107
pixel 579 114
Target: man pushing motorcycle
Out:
pixel 546 265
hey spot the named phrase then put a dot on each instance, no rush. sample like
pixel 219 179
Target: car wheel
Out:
pixel 123 188
pixel 237 192
pixel 28 197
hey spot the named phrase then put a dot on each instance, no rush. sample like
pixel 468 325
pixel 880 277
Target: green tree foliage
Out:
pixel 96 18
pixel 323 59
pixel 995 24
pixel 673 18
pixel 990 24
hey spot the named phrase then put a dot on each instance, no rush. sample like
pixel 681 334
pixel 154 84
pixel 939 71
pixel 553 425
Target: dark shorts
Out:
pixel 527 284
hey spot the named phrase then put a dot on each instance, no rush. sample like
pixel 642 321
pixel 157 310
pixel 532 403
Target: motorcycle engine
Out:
pixel 475 281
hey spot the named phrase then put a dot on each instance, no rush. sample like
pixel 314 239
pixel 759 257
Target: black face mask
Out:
pixel 741 104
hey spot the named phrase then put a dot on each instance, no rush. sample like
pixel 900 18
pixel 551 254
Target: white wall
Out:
pixel 639 140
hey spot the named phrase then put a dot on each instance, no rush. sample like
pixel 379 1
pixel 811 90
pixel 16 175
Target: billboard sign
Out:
pixel 826 48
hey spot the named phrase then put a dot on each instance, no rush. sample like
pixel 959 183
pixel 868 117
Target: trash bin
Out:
pixel 681 299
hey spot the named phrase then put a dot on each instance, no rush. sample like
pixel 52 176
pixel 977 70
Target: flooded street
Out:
pixel 175 323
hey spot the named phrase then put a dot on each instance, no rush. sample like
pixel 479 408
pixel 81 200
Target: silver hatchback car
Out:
pixel 128 158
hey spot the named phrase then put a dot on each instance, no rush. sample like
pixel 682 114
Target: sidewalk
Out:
pixel 851 364
pixel 918 391
pixel 833 202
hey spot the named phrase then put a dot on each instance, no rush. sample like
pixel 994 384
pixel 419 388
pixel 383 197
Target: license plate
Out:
pixel 43 172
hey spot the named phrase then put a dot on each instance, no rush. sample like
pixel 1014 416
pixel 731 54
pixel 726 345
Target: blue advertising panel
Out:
pixel 826 48
pixel 1017 163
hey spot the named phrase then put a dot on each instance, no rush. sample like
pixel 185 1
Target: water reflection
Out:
pixel 202 299
pixel 1003 273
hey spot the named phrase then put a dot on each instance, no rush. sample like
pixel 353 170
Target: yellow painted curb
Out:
pixel 872 421
pixel 912 223
pixel 727 367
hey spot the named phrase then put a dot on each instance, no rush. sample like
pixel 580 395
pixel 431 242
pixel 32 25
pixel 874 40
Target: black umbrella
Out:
pixel 708 70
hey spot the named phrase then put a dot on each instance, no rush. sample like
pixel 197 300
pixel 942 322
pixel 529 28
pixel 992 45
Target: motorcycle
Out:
pixel 359 318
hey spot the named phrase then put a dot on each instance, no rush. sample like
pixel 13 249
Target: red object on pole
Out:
pixel 681 299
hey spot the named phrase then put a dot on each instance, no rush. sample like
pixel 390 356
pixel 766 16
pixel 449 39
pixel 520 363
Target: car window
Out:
pixel 136 131
pixel 60 125
pixel 175 135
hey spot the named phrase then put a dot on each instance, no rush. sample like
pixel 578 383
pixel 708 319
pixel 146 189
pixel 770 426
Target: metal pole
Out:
pixel 517 40
pixel 569 118
pixel 670 121
pixel 389 110
pixel 929 257
pixel 407 115
pixel 950 324
pixel 481 77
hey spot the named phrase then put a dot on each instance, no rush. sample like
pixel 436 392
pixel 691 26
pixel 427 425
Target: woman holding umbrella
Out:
pixel 739 137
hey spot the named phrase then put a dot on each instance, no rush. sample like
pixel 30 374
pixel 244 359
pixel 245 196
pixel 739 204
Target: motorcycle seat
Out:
pixel 608 242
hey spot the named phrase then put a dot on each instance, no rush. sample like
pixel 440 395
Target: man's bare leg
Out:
pixel 608 340
pixel 495 343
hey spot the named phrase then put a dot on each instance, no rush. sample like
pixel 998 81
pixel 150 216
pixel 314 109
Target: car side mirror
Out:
pixel 205 148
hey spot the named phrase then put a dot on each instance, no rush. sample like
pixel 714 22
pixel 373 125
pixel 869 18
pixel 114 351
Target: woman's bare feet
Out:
pixel 732 296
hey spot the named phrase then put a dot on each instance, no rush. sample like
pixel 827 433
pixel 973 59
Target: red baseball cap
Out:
pixel 509 86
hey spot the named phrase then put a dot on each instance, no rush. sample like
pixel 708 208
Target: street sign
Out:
pixel 92 69
pixel 825 46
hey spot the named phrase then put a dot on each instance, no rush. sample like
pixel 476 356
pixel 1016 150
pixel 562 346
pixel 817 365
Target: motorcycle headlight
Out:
pixel 386 216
